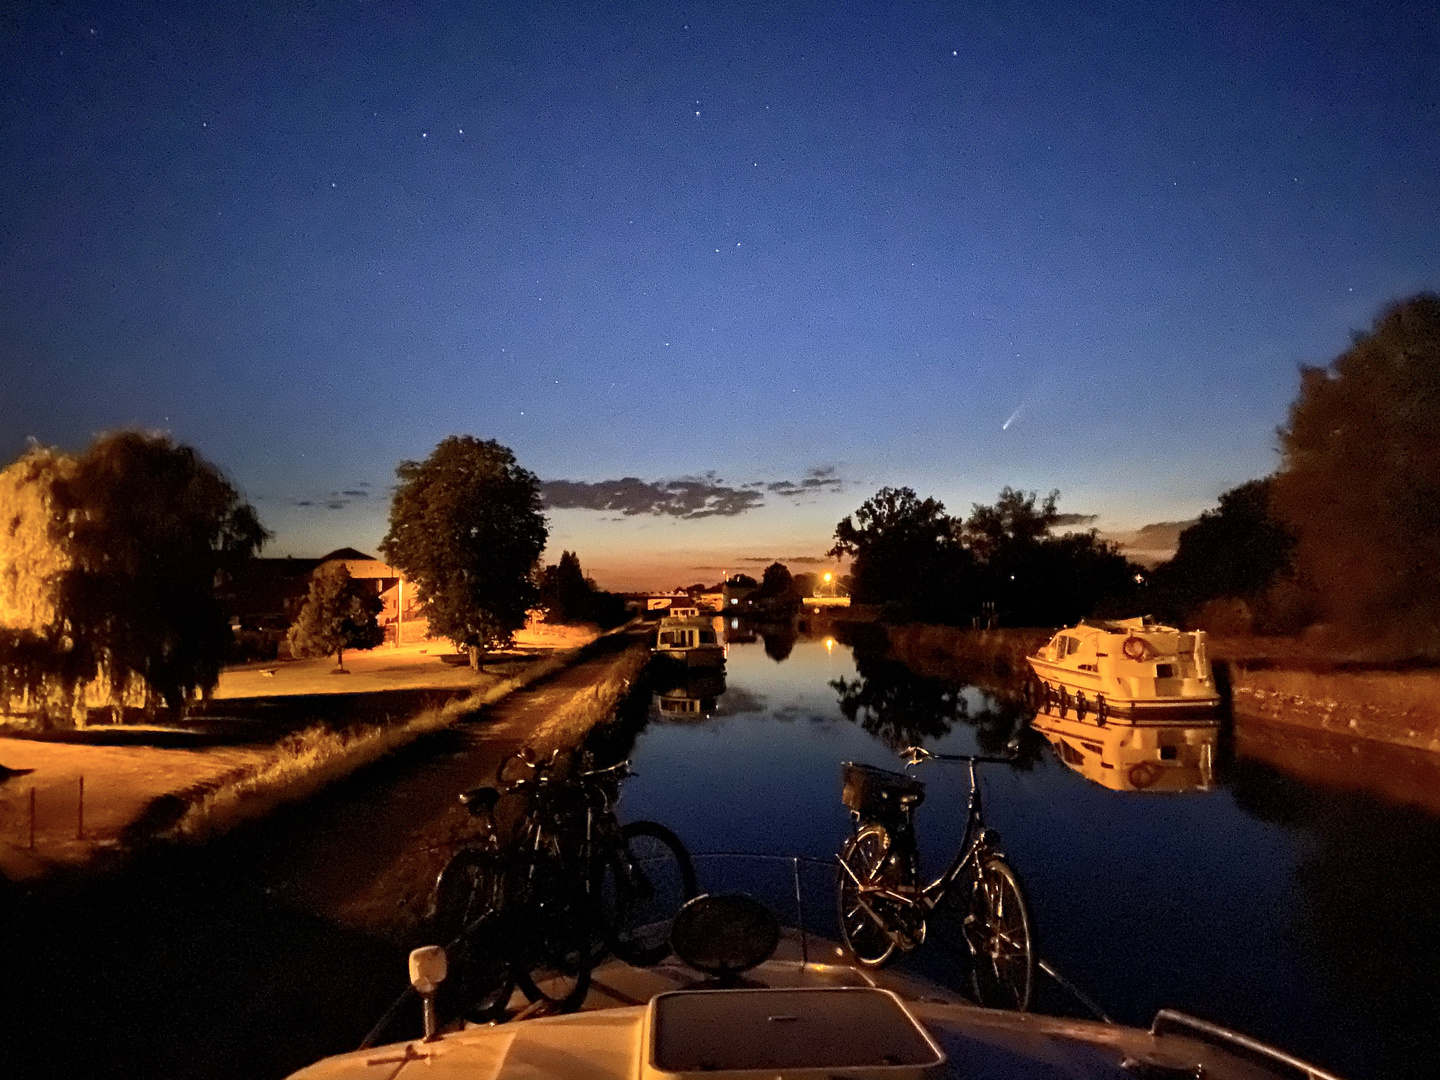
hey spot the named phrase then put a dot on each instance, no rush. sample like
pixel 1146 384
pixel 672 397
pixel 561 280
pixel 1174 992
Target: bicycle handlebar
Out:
pixel 914 755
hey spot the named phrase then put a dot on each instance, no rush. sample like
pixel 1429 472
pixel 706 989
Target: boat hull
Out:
pixel 1120 700
pixel 705 656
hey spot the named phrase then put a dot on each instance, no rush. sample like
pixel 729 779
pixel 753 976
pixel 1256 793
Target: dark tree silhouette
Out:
pixel 1035 579
pixel 1238 550
pixel 339 614
pixel 466 526
pixel 149 526
pixel 1013 524
pixel 777 598
pixel 907 555
pixel 564 592
pixel 1360 480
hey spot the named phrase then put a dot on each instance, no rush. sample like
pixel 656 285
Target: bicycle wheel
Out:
pixel 864 867
pixel 554 938
pixel 640 889
pixel 466 915
pixel 997 930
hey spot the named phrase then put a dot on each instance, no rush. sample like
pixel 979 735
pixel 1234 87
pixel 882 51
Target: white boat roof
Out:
pixel 612 1039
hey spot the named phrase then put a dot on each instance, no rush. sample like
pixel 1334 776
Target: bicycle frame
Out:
pixel 974 841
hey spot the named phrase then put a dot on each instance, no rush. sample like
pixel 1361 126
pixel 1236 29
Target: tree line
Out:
pixel 999 566
pixel 1341 542
pixel 112 558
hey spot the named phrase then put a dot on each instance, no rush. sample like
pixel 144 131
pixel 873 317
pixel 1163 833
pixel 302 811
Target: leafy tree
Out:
pixel 466 526
pixel 1239 550
pixel 1033 578
pixel 778 598
pixel 149 526
pixel 564 592
pixel 906 554
pixel 776 580
pixel 1359 483
pixel 339 614
pixel 1013 524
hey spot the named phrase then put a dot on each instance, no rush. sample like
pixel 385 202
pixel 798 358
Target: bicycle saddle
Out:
pixel 480 800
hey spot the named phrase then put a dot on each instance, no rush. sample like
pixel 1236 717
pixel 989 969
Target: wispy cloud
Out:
pixel 336 500
pixel 802 560
pixel 1065 521
pixel 688 497
pixel 814 481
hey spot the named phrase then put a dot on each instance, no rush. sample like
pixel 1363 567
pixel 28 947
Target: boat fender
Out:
pixel 1144 774
pixel 1136 648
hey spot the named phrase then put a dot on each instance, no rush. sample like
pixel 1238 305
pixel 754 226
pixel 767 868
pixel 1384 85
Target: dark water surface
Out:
pixel 1303 914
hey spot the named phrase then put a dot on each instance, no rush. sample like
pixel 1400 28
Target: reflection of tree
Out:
pixel 1370 887
pixel 779 641
pixel 901 708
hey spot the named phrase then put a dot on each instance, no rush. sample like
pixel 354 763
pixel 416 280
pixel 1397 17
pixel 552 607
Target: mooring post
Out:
pixel 80 813
pixel 32 819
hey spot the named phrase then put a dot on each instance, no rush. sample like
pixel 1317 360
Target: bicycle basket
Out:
pixel 873 792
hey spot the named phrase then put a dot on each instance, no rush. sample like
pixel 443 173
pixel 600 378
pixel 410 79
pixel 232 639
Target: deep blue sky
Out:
pixel 760 241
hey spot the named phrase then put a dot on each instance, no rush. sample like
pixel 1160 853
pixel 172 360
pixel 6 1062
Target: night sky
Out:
pixel 782 253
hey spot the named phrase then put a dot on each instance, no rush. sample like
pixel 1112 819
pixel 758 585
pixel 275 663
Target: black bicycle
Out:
pixel 884 909
pixel 541 911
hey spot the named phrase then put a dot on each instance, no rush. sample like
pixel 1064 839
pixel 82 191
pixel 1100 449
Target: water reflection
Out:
pixel 693 696
pixel 1295 902
pixel 901 708
pixel 780 641
pixel 1134 755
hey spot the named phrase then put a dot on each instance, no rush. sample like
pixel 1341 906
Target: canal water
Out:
pixel 1307 915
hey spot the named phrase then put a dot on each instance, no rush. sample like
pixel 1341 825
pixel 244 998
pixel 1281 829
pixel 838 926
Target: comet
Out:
pixel 1013 417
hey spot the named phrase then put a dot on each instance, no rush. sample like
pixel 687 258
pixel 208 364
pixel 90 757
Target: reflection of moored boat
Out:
pixel 692 642
pixel 694 695
pixel 1134 755
pixel 1126 666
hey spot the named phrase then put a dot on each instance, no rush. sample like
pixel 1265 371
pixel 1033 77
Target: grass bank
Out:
pixel 311 760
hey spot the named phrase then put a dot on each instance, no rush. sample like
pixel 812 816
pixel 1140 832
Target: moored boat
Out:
pixel 693 642
pixel 1126 666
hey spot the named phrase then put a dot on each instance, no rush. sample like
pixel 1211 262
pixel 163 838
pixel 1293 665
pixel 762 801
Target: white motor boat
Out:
pixel 692 642
pixel 1126 666
pixel 744 1000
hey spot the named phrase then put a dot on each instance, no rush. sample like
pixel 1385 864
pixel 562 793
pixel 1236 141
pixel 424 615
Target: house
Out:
pixel 266 595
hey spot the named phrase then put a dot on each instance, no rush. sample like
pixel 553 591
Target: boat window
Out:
pixel 707 637
pixel 1072 646
pixel 1164 671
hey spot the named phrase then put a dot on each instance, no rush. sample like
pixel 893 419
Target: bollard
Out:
pixel 80 813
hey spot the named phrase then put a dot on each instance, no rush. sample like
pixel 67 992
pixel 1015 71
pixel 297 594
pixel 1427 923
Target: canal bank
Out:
pixel 86 800
pixel 1268 682
pixel 281 941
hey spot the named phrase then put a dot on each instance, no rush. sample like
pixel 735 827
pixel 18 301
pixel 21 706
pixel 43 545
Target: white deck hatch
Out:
pixel 853 1032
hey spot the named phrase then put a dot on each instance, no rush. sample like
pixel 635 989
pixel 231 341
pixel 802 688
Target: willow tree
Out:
pixel 148 527
pixel 466 526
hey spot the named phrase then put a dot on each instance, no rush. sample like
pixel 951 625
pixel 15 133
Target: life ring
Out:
pixel 1144 774
pixel 1136 648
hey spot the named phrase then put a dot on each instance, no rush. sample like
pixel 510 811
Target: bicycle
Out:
pixel 542 912
pixel 883 907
